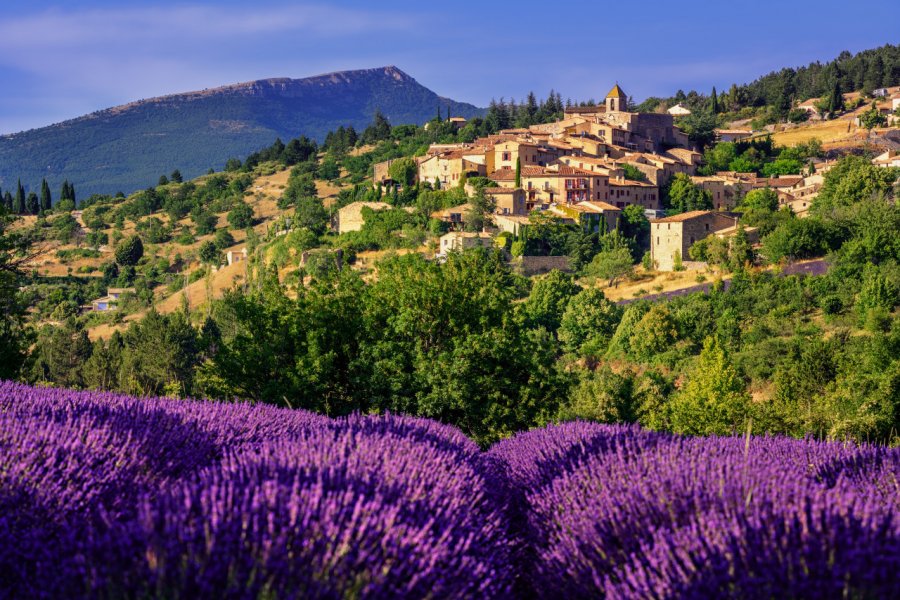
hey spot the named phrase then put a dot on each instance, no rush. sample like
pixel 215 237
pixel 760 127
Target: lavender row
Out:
pixel 110 496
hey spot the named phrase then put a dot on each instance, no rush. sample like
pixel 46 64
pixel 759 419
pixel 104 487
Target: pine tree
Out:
pixel 33 204
pixel 19 207
pixel 46 200
pixel 8 201
pixel 64 192
pixel 176 174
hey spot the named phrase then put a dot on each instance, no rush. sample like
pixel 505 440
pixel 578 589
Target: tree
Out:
pixel 403 171
pixel 13 334
pixel 713 401
pixel 176 176
pixel 46 200
pixel 588 323
pixel 241 216
pixel 163 180
pixel 714 102
pixel 700 127
pixel 518 182
pixel 653 334
pixel 549 298
pixel 602 395
pixel 683 195
pixel 872 118
pixel 611 265
pixel 765 199
pixel 19 207
pixel 223 239
pixel 32 204
pixel 311 213
pixel 481 207
pixel 209 253
pixel 129 251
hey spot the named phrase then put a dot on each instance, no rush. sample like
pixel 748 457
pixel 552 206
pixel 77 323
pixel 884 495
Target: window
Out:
pixel 657 240
pixel 692 239
pixel 506 156
pixel 706 225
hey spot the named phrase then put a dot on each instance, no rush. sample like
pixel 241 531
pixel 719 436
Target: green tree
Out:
pixel 209 253
pixel 13 333
pixel 32 204
pixel 518 181
pixel 176 176
pixel 872 118
pixel 311 213
pixel 549 298
pixel 129 251
pixel 588 323
pixel 46 199
pixel 654 334
pixel 700 127
pixel 403 171
pixel 241 216
pixel 19 207
pixel 684 195
pixel 603 396
pixel 611 265
pixel 223 239
pixel 761 199
pixel 713 401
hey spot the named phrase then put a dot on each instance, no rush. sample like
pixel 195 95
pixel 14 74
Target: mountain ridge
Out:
pixel 128 146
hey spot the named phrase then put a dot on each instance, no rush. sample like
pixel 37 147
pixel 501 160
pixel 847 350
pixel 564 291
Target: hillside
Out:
pixel 127 147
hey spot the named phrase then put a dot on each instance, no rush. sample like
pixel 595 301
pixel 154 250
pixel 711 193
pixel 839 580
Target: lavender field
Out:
pixel 106 496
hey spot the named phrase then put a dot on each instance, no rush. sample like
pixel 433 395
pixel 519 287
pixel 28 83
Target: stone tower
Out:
pixel 616 100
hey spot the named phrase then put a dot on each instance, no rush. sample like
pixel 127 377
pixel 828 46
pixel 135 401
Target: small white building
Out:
pixel 678 111
pixel 463 240
pixel 233 256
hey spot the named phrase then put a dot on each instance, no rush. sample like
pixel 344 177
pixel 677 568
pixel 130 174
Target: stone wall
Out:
pixel 535 265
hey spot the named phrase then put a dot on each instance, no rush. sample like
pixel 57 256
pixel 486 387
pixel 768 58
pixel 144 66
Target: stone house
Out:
pixel 508 201
pixel 676 234
pixel 623 192
pixel 593 217
pixel 463 240
pixel 350 217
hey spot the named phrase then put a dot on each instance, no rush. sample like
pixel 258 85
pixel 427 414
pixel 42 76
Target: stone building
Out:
pixel 350 217
pixel 675 235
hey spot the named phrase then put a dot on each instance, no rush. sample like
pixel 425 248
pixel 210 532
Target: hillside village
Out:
pixel 580 168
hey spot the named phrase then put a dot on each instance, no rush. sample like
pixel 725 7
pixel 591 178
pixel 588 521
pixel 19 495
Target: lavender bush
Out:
pixel 104 495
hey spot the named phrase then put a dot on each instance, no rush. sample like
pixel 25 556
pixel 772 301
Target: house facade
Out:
pixel 673 236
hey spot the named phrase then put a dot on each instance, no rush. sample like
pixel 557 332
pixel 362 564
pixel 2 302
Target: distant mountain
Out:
pixel 128 147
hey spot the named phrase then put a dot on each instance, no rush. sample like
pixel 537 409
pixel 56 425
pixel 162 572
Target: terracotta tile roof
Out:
pixel 500 190
pixel 679 218
pixel 629 182
pixel 504 175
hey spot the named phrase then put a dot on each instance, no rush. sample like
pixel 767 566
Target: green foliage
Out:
pixel 653 334
pixel 209 253
pixel 872 118
pixel 241 216
pixel 798 239
pixel 610 265
pixel 588 323
pixel 129 251
pixel 852 180
pixel 403 171
pixel 683 195
pixel 713 400
pixel 549 298
pixel 602 395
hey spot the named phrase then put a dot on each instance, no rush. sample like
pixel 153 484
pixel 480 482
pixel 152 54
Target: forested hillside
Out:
pixel 126 148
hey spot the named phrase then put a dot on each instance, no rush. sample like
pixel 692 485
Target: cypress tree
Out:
pixel 714 102
pixel 19 207
pixel 518 172
pixel 33 204
pixel 46 200
pixel 64 192
pixel 8 201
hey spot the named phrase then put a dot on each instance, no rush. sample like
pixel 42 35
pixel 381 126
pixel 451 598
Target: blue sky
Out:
pixel 59 60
